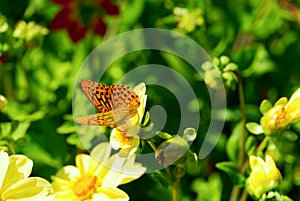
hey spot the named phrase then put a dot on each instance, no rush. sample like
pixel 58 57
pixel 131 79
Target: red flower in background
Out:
pixel 3 58
pixel 77 16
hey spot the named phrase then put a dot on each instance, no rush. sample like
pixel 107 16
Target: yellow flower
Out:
pixel 126 136
pixel 15 183
pixel 187 21
pixel 264 176
pixel 282 114
pixel 96 176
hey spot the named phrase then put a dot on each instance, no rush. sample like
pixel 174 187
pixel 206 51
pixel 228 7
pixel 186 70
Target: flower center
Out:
pixel 281 115
pixel 85 187
pixel 121 137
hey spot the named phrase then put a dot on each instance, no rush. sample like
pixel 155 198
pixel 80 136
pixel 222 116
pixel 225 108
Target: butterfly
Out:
pixel 116 104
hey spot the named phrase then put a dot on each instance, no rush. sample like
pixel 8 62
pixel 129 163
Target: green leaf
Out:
pixel 159 178
pixel 66 128
pixel 132 13
pixel 192 163
pixel 5 128
pixel 21 130
pixel 208 190
pixel 75 140
pixel 265 106
pixel 250 144
pixel 233 172
pixel 233 143
pixel 290 135
pixel 296 127
pixel 164 135
pixel 254 128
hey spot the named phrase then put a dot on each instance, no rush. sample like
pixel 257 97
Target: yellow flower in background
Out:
pixel 96 176
pixel 15 183
pixel 126 137
pixel 264 176
pixel 283 113
pixel 188 20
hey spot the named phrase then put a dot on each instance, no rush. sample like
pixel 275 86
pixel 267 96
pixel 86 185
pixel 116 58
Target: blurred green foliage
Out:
pixel 38 68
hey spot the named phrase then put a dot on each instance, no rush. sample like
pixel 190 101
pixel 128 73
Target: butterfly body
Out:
pixel 116 104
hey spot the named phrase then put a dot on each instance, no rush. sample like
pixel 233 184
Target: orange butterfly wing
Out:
pixel 116 104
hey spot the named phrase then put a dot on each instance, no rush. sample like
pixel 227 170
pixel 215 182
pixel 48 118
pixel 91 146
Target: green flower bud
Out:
pixel 171 151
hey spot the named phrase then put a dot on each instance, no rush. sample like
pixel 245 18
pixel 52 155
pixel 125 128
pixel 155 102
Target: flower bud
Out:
pixel 3 24
pixel 264 176
pixel 171 151
pixel 3 102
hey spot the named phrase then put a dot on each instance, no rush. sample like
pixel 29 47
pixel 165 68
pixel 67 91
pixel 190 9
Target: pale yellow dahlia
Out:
pixel 126 136
pixel 15 183
pixel 96 176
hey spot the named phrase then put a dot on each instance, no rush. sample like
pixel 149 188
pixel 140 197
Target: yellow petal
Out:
pixel 110 194
pixel 294 97
pixel 67 173
pixel 123 170
pixel 19 168
pixel 67 195
pixel 257 165
pixel 33 188
pixel 132 170
pixel 112 178
pixel 273 173
pixel 4 161
pixel 101 152
pixel 293 106
pixel 270 163
pixel 281 102
pixel 140 89
pixel 114 139
pixel 86 164
pixel 130 150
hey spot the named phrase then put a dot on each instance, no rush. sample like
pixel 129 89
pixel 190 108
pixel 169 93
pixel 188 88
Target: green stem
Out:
pixel 235 193
pixel 244 195
pixel 175 190
pixel 236 190
pixel 11 149
pixel 152 145
pixel 241 157
pixel 8 84
pixel 27 78
pixel 260 147
pixel 174 184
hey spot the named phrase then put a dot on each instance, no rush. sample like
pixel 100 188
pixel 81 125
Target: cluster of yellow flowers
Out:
pixel 264 175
